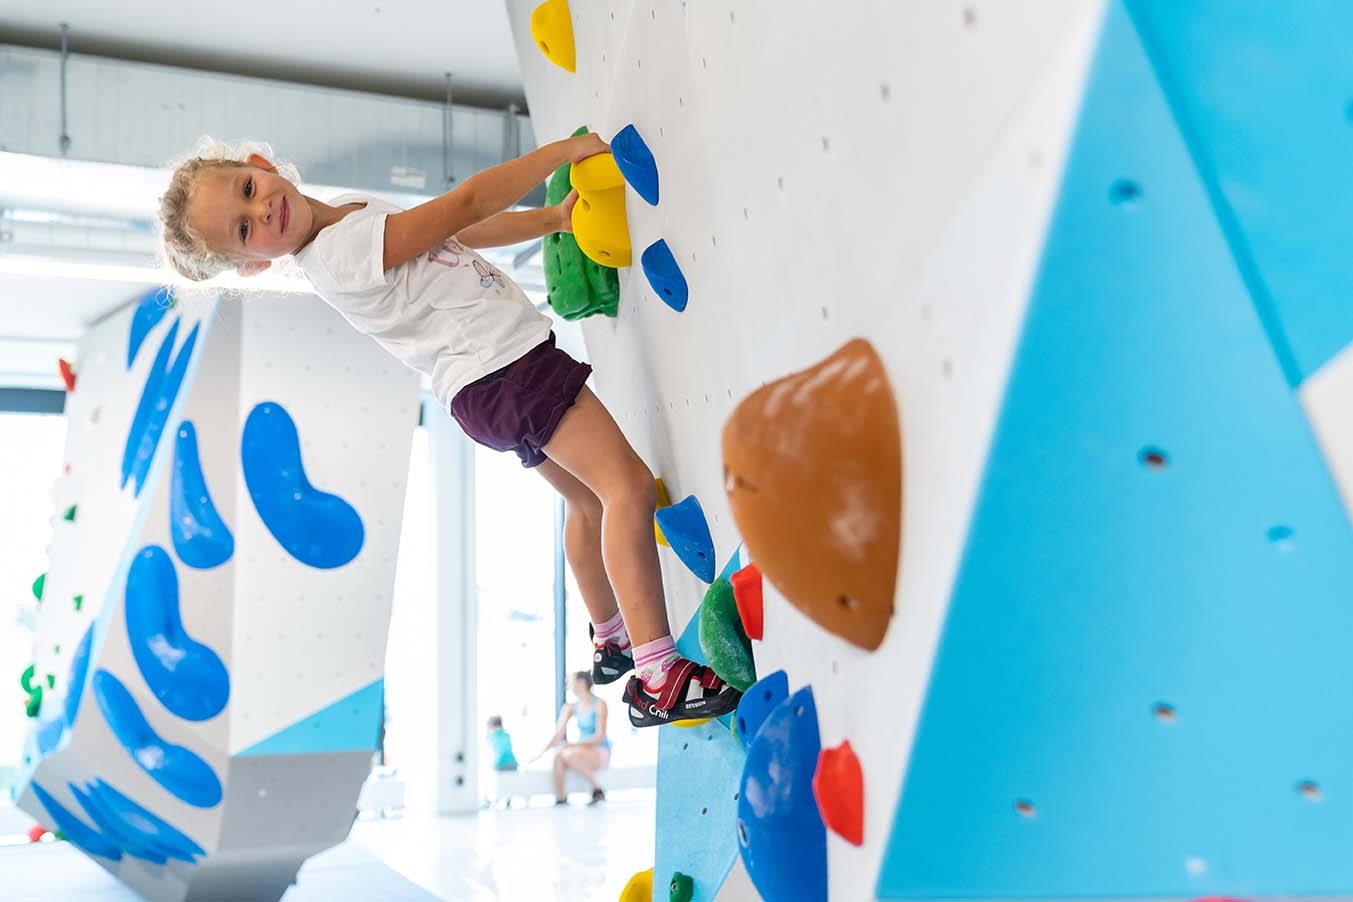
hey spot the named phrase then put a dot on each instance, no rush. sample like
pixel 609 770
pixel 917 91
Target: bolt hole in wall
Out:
pixel 1126 193
pixel 34 445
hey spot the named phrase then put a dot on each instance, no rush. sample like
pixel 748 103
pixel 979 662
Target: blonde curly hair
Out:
pixel 184 248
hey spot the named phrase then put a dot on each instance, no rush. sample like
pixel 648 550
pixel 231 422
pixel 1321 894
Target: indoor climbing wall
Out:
pixel 814 187
pixel 1009 343
pixel 213 621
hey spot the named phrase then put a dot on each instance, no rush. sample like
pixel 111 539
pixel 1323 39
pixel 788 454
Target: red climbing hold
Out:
pixel 747 592
pixel 838 785
pixel 36 832
pixel 67 374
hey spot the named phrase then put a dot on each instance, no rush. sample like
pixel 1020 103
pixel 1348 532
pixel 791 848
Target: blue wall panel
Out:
pixel 1147 652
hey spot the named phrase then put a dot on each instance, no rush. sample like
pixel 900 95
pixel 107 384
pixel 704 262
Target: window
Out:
pixel 34 446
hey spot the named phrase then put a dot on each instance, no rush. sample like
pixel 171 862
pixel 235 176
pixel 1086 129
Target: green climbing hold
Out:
pixel 682 888
pixel 723 639
pixel 56 649
pixel 37 586
pixel 34 702
pixel 575 285
pixel 79 602
pixel 59 836
pixel 51 681
pixel 26 680
pixel 70 514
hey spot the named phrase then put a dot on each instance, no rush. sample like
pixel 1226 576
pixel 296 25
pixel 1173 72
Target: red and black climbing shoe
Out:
pixel 690 692
pixel 609 661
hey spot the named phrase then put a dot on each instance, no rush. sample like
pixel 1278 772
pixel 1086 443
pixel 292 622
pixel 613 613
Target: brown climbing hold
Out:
pixel 813 471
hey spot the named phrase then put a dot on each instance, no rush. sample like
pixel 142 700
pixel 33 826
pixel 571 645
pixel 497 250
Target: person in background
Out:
pixel 592 751
pixel 501 743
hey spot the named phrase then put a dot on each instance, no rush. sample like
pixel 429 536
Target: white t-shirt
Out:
pixel 446 313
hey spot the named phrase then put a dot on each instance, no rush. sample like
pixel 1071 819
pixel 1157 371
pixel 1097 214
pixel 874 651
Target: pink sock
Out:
pixel 612 630
pixel 653 659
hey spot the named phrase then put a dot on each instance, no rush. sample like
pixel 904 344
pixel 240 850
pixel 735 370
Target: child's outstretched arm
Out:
pixel 523 225
pixel 483 194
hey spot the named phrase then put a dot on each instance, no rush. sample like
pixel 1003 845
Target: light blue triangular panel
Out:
pixel 1138 692
pixel 1264 92
pixel 348 725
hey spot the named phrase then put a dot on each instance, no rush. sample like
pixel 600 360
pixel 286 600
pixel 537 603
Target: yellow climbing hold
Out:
pixel 639 889
pixel 663 501
pixel 691 723
pixel 599 222
pixel 552 30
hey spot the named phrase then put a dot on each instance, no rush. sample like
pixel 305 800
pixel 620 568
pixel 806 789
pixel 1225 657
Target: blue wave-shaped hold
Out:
pixel 200 536
pixel 664 274
pixel 152 307
pixel 49 735
pixel 174 767
pixel 75 682
pixel 152 412
pixel 635 162
pixel 85 837
pixel 186 676
pixel 761 698
pixel 780 831
pixel 314 527
pixel 141 833
pixel 112 827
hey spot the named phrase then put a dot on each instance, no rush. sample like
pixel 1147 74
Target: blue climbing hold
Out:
pixel 780 832
pixel 314 527
pixel 85 837
pixel 200 536
pixel 636 163
pixel 49 735
pixel 75 682
pixel 114 829
pixel 151 836
pixel 186 676
pixel 687 532
pixel 152 412
pixel 761 698
pixel 665 275
pixel 152 307
pixel 174 767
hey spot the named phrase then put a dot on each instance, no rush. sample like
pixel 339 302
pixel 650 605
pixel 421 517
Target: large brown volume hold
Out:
pixel 813 471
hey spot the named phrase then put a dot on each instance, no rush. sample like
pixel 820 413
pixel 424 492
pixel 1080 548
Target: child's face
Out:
pixel 249 213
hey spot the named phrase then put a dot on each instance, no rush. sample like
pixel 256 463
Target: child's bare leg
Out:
pixel 582 541
pixel 589 445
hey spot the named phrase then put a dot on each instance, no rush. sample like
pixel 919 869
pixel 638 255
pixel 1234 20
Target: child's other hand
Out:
pixel 565 210
pixel 588 145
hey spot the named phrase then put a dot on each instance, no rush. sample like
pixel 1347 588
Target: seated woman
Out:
pixel 592 751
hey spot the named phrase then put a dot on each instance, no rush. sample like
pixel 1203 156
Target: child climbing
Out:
pixel 411 280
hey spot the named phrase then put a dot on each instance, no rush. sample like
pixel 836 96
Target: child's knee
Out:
pixel 586 512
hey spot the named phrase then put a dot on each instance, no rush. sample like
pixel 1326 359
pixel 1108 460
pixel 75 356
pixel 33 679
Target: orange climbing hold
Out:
pixel 67 373
pixel 747 593
pixel 813 471
pixel 838 786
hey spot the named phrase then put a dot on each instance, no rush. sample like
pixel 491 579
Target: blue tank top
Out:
pixel 587 724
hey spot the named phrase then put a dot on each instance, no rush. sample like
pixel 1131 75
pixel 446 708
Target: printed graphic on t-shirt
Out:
pixel 448 254
pixel 488 276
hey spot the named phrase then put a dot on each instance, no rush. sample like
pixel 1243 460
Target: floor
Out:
pixel 538 854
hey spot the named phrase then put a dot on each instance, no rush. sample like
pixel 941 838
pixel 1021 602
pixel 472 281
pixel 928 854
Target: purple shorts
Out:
pixel 519 407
